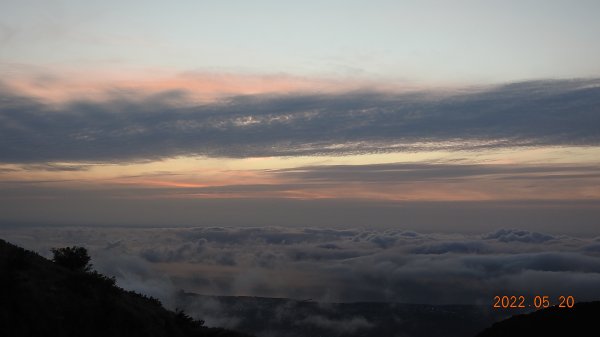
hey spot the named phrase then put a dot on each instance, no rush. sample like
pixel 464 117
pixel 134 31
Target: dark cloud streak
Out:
pixel 403 172
pixel 137 127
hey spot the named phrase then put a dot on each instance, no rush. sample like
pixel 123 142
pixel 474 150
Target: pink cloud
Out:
pixel 64 85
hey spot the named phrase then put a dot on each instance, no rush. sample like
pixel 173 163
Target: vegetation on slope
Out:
pixel 66 298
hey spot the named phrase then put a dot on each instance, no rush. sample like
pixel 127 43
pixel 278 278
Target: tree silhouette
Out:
pixel 74 258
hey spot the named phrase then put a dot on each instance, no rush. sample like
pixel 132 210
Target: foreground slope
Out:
pixel 581 321
pixel 41 298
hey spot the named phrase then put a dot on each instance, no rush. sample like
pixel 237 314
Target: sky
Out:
pixel 434 116
pixel 429 42
pixel 387 135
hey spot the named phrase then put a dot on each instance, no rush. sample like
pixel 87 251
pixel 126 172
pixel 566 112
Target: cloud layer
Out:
pixel 130 127
pixel 335 265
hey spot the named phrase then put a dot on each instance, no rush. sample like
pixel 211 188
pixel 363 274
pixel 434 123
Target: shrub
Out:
pixel 74 258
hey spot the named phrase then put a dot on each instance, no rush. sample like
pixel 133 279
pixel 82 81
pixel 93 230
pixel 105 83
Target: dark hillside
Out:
pixel 41 298
pixel 580 321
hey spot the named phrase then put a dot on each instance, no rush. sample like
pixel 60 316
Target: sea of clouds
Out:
pixel 333 265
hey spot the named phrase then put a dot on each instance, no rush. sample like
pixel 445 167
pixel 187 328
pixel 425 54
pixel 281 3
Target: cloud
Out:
pixel 541 261
pixel 508 235
pixel 593 248
pixel 344 326
pixel 211 311
pixel 134 273
pixel 452 247
pixel 183 252
pixel 387 238
pixel 268 235
pixel 146 127
pixel 418 172
pixel 54 167
pixel 332 265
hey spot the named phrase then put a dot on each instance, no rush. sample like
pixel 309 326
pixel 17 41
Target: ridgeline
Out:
pixel 39 297
pixel 579 321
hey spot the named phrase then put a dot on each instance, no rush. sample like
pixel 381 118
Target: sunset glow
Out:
pixel 423 157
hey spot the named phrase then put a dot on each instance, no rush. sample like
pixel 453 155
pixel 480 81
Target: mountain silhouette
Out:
pixel 42 298
pixel 579 321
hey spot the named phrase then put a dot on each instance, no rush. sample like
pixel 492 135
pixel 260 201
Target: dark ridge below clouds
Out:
pixel 142 127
